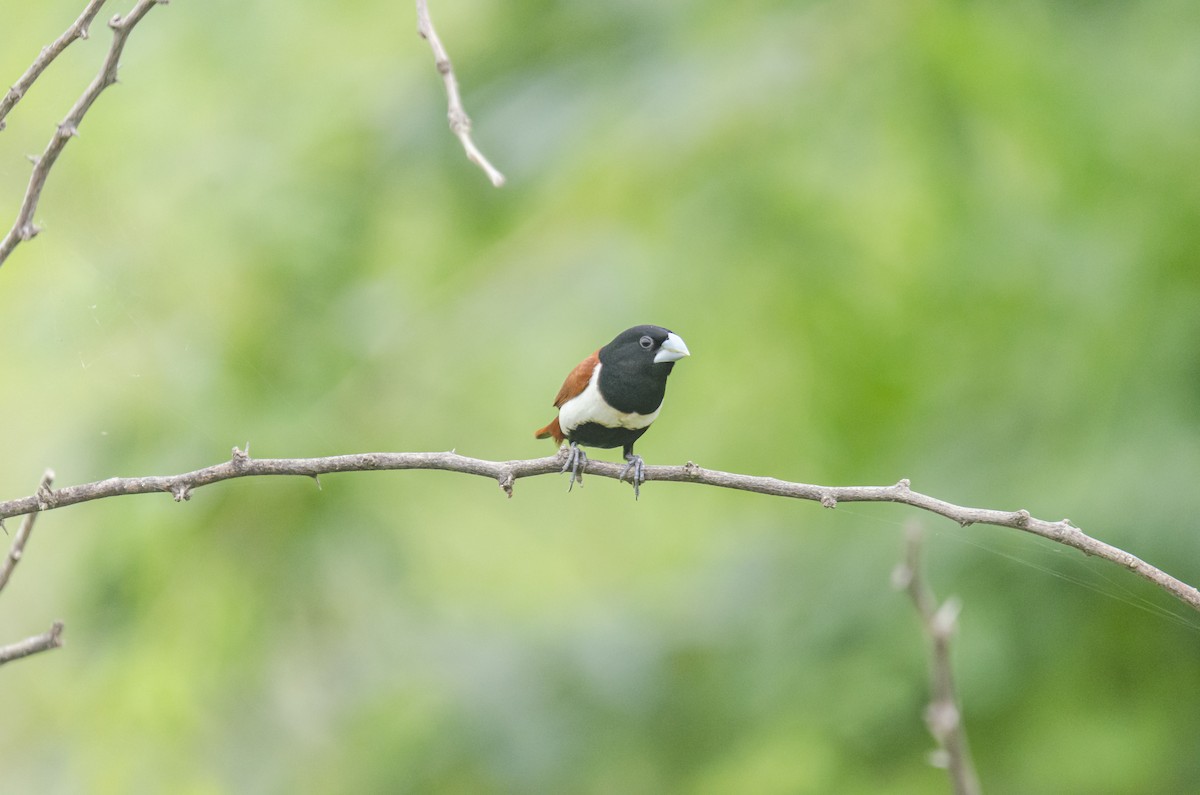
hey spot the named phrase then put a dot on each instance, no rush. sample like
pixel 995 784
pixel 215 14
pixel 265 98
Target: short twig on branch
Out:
pixel 53 638
pixel 78 30
pixel 505 473
pixel 17 548
pixel 460 122
pixel 24 229
pixel 943 716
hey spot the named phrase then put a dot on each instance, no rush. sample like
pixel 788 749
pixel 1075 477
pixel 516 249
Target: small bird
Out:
pixel 611 398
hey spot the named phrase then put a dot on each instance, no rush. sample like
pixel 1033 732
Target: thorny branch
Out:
pixel 460 122
pixel 53 638
pixel 78 30
pixel 24 229
pixel 943 716
pixel 507 472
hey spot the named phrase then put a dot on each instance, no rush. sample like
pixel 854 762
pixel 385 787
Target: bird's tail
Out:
pixel 553 429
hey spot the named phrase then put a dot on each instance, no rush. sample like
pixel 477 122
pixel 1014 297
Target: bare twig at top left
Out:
pixel 23 228
pixel 460 122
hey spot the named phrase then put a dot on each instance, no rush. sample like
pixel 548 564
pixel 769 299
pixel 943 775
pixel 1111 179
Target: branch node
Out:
pixel 1021 518
pixel 317 480
pixel 182 492
pixel 828 500
pixel 944 620
pixel 240 457
pixel 942 718
pixel 903 484
pixel 506 482
pixel 45 495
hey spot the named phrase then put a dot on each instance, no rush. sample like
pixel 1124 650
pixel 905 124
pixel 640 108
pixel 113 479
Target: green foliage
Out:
pixel 948 241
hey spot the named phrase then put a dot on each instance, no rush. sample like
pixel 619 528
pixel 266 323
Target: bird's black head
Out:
pixel 636 365
pixel 644 346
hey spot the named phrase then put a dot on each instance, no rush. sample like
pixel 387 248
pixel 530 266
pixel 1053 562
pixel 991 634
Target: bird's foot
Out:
pixel 575 463
pixel 635 466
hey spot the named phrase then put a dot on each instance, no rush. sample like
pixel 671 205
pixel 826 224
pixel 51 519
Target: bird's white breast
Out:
pixel 589 406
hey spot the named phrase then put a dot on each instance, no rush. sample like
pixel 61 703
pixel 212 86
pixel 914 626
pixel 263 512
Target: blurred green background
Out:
pixel 950 241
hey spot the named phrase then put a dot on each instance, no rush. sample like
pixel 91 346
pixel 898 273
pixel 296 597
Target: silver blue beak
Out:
pixel 672 350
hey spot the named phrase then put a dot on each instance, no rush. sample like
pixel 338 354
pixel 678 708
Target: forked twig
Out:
pixel 24 229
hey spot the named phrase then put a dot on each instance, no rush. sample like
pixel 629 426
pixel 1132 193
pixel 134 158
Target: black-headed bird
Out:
pixel 611 398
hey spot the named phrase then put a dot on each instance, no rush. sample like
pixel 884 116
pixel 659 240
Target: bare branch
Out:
pixel 507 472
pixel 17 549
pixel 460 122
pixel 24 229
pixel 943 716
pixel 38 643
pixel 78 30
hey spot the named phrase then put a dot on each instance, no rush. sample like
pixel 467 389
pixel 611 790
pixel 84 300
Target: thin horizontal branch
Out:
pixel 78 30
pixel 507 472
pixel 38 643
pixel 24 229
pixel 943 716
pixel 460 122
pixel 17 548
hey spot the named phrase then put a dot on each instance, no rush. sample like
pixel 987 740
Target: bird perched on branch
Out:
pixel 611 398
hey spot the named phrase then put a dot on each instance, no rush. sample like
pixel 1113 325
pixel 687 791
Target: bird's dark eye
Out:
pixel 646 343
